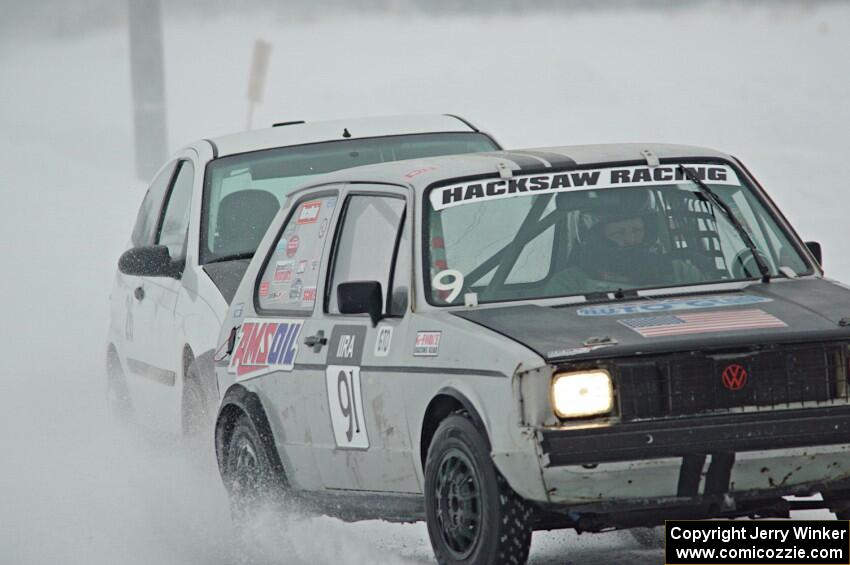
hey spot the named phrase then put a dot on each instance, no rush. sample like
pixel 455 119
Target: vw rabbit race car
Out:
pixel 197 228
pixel 589 337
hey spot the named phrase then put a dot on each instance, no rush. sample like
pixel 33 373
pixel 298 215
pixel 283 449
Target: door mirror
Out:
pixel 815 248
pixel 361 297
pixel 149 261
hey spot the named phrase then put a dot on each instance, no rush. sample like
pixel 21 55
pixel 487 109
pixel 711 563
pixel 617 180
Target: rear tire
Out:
pixel 248 474
pixel 473 515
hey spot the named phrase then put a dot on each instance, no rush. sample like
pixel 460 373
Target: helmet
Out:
pixel 600 208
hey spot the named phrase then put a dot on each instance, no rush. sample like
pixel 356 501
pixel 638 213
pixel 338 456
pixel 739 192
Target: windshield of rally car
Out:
pixel 242 193
pixel 596 230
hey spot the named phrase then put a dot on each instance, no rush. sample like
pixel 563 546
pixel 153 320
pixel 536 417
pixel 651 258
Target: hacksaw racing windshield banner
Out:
pixel 591 179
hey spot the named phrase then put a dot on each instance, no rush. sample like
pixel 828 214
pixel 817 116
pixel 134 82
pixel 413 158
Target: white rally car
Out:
pixel 586 337
pixel 197 228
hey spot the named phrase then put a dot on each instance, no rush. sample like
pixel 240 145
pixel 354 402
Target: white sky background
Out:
pixel 769 85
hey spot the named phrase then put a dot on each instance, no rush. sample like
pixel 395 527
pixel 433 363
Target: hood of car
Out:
pixel 783 311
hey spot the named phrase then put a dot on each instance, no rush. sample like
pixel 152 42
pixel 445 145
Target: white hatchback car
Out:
pixel 198 227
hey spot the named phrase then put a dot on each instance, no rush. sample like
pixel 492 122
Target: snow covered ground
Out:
pixel 770 85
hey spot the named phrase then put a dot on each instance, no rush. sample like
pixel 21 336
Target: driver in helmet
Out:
pixel 617 247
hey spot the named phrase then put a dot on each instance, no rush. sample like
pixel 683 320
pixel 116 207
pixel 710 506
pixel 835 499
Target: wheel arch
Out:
pixel 237 401
pixel 447 401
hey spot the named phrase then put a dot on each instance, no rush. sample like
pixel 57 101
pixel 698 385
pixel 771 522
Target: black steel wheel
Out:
pixel 473 515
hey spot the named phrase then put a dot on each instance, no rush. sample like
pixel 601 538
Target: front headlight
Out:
pixel 581 394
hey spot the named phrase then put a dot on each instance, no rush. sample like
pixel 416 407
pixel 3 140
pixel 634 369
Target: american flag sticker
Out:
pixel 705 322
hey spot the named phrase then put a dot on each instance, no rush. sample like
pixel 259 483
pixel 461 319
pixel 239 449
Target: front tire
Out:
pixel 118 403
pixel 473 515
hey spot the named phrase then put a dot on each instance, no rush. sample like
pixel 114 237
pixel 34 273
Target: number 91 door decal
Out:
pixel 345 398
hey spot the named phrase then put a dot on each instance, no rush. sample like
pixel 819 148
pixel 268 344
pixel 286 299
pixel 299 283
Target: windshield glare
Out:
pixel 243 193
pixel 596 231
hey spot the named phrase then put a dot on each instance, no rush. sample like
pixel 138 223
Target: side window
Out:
pixel 145 228
pixel 175 220
pixel 290 276
pixel 366 243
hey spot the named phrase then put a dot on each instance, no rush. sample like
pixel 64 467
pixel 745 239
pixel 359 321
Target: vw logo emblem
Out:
pixel 734 376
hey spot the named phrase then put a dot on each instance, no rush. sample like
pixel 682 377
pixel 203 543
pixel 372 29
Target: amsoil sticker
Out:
pixel 427 344
pixel 264 288
pixel 703 322
pixel 309 212
pixel 383 341
pixel 671 304
pixel 589 179
pixel 308 296
pixel 292 246
pixel 283 271
pixel 263 346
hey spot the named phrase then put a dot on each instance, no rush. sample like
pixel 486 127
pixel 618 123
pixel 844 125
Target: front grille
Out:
pixel 686 384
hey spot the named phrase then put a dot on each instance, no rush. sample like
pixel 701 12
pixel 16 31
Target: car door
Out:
pixel 162 355
pixel 286 300
pixel 138 335
pixel 358 429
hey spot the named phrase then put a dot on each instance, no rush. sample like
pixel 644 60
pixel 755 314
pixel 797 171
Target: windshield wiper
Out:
pixel 748 241
pixel 233 257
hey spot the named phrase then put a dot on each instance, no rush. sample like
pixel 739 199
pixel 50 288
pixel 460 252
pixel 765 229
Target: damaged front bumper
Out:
pixel 676 461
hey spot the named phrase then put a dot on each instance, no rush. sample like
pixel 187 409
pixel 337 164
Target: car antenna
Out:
pixel 345 133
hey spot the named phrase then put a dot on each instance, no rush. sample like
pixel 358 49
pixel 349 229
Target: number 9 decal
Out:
pixel 453 287
pixel 346 406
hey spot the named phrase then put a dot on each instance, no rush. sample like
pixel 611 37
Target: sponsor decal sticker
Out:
pixel 302 266
pixel 238 310
pixel 290 229
pixel 323 228
pixel 427 344
pixel 331 203
pixel 734 376
pixel 568 181
pixel 263 346
pixel 671 304
pixel 295 291
pixel 383 341
pixel 283 271
pixel 292 246
pixel 309 212
pixel 314 265
pixel 308 296
pixel 417 172
pixel 264 288
pixel 703 322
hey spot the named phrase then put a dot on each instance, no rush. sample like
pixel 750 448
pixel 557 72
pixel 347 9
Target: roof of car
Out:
pixel 421 173
pixel 298 133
